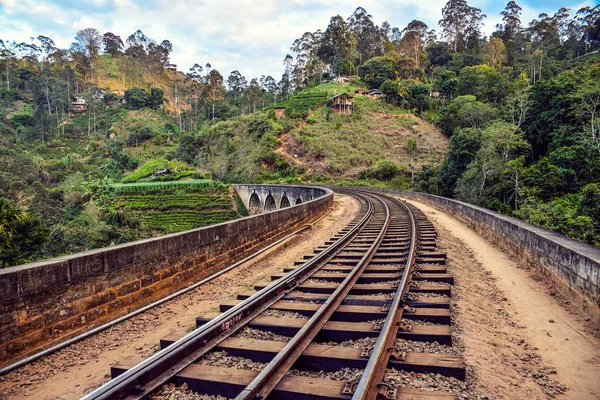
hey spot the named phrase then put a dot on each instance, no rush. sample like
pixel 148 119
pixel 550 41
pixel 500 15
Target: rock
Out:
pixel 551 321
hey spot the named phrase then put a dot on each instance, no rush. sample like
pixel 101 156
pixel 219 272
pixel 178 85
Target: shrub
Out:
pixel 136 98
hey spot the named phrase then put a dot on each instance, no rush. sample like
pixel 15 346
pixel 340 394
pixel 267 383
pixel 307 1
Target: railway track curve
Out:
pixel 339 313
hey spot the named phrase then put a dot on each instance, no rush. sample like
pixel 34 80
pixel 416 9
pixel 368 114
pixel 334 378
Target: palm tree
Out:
pixel 11 217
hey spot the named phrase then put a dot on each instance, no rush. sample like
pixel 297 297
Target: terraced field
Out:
pixel 176 206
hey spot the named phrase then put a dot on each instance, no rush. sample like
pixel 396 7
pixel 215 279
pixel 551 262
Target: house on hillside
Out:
pixel 172 67
pixel 376 93
pixel 78 105
pixel 341 104
pixel 342 79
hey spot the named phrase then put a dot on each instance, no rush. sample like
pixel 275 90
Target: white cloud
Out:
pixel 250 36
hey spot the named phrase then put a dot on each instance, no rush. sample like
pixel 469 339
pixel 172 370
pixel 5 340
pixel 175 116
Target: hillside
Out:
pixel 310 143
pixel 338 146
pixel 508 122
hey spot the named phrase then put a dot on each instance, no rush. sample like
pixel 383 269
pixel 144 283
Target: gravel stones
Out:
pixel 414 380
pixel 363 342
pixel 345 374
pixel 426 347
pixel 172 392
pixel 282 314
pixel 223 359
pixel 257 334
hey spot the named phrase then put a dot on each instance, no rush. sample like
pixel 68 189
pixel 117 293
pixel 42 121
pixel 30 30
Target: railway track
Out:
pixel 341 313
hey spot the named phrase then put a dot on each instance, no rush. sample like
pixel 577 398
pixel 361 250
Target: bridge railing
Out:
pixel 572 266
pixel 45 302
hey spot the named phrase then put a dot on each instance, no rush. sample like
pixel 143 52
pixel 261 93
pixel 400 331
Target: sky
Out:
pixel 252 37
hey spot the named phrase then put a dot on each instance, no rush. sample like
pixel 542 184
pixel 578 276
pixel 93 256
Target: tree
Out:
pixel 514 172
pixel 113 44
pixel 377 70
pixel 493 52
pixel 464 145
pixel 460 22
pixel 511 21
pixel 253 93
pixel 589 98
pixel 369 38
pixel 90 40
pixel 413 41
pixel 476 115
pixel 338 42
pixel 308 66
pixel 136 98
pixel 156 98
pixel 411 148
pixel 500 143
pixel 391 90
pixel 10 218
pixel 215 88
pixel 237 83
pixel 482 81
pixel 8 57
pixel 518 101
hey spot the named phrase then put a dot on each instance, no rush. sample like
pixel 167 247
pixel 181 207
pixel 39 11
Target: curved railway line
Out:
pixel 378 281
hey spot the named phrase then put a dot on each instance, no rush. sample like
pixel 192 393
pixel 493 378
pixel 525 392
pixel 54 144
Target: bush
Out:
pixel 384 171
pixel 22 120
pixel 138 136
pixel 136 98
pixel 156 98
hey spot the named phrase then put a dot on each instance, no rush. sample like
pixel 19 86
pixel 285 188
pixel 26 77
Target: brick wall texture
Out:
pixel 50 301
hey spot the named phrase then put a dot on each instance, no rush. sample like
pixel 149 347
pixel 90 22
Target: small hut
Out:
pixel 376 93
pixel 342 79
pixel 435 94
pixel 78 105
pixel 341 104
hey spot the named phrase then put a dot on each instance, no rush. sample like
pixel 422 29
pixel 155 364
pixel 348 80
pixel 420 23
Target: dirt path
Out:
pixel 77 369
pixel 520 342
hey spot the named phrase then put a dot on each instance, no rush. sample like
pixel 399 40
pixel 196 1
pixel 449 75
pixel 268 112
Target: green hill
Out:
pixel 310 143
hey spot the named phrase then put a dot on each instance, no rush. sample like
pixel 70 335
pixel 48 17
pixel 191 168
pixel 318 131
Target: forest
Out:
pixel 520 108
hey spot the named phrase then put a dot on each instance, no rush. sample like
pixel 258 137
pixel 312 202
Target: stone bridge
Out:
pixel 262 198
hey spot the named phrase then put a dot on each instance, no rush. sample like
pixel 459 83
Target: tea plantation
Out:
pixel 175 206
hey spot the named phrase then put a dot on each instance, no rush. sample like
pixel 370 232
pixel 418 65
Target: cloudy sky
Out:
pixel 250 36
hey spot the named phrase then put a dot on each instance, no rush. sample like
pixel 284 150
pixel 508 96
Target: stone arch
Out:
pixel 270 204
pixel 285 202
pixel 298 200
pixel 254 206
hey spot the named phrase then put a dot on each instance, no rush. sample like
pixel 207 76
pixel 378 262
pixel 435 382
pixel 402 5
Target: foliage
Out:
pixel 152 187
pixel 385 170
pixel 377 70
pixel 148 168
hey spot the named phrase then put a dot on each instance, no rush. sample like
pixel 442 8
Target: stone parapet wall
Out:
pixel 572 266
pixel 45 302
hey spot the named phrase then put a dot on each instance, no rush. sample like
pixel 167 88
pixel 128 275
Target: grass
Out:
pixel 342 146
pixel 175 206
pixel 153 187
pixel 298 104
pixel 179 169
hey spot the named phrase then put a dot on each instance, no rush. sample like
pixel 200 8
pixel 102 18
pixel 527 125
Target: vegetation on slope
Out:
pixel 520 109
pixel 175 206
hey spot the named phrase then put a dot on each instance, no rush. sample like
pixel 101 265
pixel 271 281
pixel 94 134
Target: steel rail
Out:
pixel 264 383
pixel 148 375
pixel 369 384
pixel 150 306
